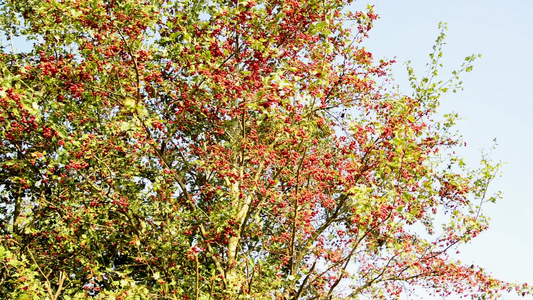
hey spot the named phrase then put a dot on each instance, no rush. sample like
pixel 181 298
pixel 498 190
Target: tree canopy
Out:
pixel 226 150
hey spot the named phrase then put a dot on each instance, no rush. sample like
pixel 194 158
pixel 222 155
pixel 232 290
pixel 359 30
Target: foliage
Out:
pixel 225 150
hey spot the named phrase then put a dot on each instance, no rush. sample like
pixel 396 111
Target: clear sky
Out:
pixel 496 103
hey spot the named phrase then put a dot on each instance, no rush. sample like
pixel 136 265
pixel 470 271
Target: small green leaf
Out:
pixel 156 275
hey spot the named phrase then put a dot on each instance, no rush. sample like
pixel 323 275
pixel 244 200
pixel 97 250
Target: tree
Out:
pixel 225 150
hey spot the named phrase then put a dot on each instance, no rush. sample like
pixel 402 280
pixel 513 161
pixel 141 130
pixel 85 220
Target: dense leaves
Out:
pixel 225 150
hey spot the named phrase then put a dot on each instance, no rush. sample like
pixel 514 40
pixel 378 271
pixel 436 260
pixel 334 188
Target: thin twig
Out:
pixel 197 277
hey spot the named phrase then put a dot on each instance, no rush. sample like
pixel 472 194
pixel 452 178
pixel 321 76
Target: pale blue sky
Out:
pixel 497 103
